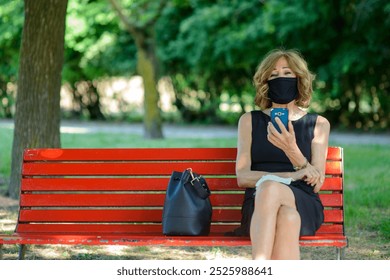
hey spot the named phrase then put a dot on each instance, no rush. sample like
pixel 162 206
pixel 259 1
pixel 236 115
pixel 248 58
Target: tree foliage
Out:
pixel 210 50
pixel 95 48
pixel 217 45
pixel 209 54
pixel 11 22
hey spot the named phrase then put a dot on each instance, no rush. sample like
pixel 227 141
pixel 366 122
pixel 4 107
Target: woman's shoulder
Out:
pixel 321 120
pixel 322 123
pixel 245 119
pixel 318 118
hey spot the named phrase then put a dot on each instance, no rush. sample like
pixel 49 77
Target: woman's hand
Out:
pixel 310 174
pixel 284 140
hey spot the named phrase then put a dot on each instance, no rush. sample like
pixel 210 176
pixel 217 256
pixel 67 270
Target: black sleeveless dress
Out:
pixel 267 157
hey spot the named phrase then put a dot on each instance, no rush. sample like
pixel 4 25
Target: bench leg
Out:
pixel 22 251
pixel 340 253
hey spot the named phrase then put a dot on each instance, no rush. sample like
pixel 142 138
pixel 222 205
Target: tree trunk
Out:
pixel 147 64
pixel 152 117
pixel 147 67
pixel 37 116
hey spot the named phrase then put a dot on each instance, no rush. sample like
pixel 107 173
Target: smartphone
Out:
pixel 282 114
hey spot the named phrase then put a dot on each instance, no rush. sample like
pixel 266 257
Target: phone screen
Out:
pixel 282 114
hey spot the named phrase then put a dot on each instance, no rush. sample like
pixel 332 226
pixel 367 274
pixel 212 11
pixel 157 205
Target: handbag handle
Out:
pixel 198 182
pixel 200 185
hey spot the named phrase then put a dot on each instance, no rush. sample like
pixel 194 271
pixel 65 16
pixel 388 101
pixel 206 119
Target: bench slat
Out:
pixel 116 184
pixel 334 240
pixel 137 184
pixel 331 199
pixel 108 215
pixel 132 154
pixel 332 184
pixel 108 228
pixel 123 169
pixel 133 215
pixel 138 199
pixel 115 154
pixel 138 228
pixel 140 168
pixel 335 153
pixel 116 200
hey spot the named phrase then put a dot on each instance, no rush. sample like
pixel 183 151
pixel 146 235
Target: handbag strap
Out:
pixel 201 187
pixel 197 181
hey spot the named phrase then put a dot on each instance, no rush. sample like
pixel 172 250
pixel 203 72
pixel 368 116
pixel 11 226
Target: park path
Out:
pixel 200 131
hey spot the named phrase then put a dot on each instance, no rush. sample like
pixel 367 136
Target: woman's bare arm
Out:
pixel 319 149
pixel 314 171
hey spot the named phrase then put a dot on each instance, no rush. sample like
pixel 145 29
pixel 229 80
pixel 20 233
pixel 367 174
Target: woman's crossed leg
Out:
pixel 275 224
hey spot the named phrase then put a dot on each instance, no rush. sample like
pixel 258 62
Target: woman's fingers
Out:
pixel 282 140
pixel 313 176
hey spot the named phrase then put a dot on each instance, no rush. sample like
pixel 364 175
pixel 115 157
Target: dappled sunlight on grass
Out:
pixel 7 221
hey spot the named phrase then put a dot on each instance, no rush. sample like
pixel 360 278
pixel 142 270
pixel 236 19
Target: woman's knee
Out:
pixel 268 192
pixel 288 217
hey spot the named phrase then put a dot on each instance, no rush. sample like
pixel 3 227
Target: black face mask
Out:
pixel 283 90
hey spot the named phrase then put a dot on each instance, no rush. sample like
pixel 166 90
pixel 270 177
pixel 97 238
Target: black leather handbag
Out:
pixel 187 206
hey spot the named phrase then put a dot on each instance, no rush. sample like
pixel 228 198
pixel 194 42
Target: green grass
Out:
pixel 6 136
pixel 367 188
pixel 367 183
pixel 100 140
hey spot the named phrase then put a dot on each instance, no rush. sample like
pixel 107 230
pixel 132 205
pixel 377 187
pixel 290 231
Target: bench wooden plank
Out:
pixel 132 215
pixel 115 154
pixel 130 154
pixel 80 228
pixel 333 240
pixel 112 215
pixel 139 168
pixel 116 200
pixel 335 154
pixel 137 199
pixel 122 169
pixel 137 184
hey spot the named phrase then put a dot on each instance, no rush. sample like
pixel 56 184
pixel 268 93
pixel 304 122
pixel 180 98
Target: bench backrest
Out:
pixel 122 190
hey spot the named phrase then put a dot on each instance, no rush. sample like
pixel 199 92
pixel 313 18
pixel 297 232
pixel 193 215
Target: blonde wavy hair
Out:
pixel 297 64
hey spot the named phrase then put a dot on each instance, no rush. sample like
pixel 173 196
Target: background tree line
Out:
pixel 209 50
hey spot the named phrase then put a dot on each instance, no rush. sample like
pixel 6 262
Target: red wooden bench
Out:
pixel 115 196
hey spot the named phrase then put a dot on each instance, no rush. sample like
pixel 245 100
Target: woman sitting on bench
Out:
pixel 282 166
